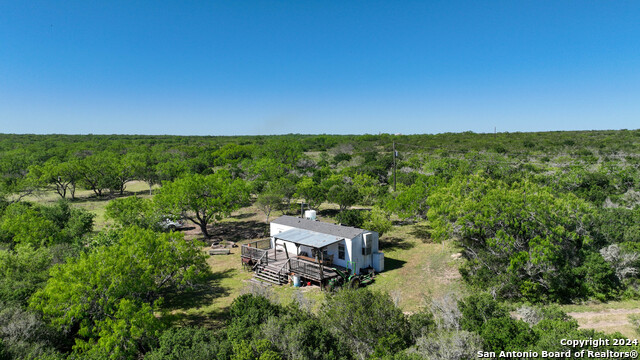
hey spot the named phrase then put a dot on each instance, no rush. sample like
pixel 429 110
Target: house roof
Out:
pixel 307 238
pixel 319 227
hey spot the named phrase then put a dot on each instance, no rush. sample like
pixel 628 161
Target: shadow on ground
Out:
pixel 402 222
pixel 91 198
pixel 422 232
pixel 229 231
pixel 244 216
pixel 393 264
pixel 329 213
pixel 211 320
pixel 395 243
pixel 239 230
pixel 202 296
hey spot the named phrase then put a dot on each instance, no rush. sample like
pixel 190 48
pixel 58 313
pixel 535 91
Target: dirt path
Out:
pixel 609 320
pixel 608 312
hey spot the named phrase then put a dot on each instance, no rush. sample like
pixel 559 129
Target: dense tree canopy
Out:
pixel 539 217
pixel 520 239
pixel 106 298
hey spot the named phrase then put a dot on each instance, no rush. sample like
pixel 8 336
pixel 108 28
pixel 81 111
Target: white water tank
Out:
pixel 310 214
pixel 378 262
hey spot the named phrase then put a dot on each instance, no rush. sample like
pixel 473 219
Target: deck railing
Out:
pixel 254 254
pixel 263 244
pixel 305 268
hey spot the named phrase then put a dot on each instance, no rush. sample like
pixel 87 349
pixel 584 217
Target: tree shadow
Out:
pixel 422 232
pixel 91 198
pixel 402 222
pixel 393 264
pixel 202 295
pixel 395 243
pixel 213 319
pixel 186 228
pixel 328 212
pixel 239 230
pixel 137 193
pixel 243 216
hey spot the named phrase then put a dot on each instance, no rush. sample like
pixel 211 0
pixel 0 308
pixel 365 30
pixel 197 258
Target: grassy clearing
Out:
pixel 206 307
pixel 416 270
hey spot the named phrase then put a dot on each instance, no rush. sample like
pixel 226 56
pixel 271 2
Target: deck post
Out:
pixel 320 263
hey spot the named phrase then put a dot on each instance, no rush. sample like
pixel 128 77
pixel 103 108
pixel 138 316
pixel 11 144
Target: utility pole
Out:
pixel 395 169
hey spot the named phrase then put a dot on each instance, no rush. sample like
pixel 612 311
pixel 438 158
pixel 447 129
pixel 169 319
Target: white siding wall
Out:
pixel 363 261
pixel 276 229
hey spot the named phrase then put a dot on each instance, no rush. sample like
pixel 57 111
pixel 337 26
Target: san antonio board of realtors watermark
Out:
pixel 591 353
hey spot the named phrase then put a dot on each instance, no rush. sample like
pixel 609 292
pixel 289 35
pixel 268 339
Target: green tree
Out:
pixel 520 239
pixel 340 190
pixel 99 173
pixel 185 343
pixel 63 175
pixel 107 298
pixel 377 220
pixel 355 217
pixel 477 309
pixel 368 188
pixel 371 316
pixel 267 202
pixel 145 168
pixel 13 174
pixel 72 222
pixel 203 198
pixel 411 202
pixel 312 193
pixel 23 270
pixel 127 167
pixel 24 224
pixel 133 211
pixel 300 335
pixel 170 167
pixel 507 334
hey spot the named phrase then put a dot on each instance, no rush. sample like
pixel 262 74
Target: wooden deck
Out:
pixel 304 268
pixel 278 263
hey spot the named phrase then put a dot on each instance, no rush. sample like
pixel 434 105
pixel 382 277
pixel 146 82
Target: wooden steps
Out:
pixel 271 275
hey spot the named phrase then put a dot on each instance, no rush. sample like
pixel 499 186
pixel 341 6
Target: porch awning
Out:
pixel 307 238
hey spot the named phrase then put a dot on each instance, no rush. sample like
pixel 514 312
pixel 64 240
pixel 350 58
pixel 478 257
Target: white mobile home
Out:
pixel 344 246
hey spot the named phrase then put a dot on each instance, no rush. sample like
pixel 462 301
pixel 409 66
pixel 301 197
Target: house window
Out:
pixel 366 248
pixel 341 251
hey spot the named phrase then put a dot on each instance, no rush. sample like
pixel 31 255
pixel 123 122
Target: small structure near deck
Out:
pixel 312 250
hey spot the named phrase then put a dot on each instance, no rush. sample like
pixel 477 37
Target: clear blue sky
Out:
pixel 273 67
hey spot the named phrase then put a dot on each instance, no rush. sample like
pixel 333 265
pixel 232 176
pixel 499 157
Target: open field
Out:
pixel 87 200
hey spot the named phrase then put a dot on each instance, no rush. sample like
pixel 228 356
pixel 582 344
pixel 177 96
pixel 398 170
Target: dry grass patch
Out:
pixel 607 317
pixel 416 270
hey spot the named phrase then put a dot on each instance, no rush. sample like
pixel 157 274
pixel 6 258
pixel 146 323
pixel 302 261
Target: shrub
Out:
pixel 362 318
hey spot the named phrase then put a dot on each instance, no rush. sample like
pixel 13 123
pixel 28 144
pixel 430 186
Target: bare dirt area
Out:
pixel 608 320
